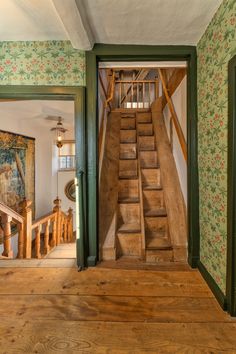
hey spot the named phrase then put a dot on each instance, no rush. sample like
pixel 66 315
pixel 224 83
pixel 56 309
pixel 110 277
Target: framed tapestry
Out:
pixel 17 169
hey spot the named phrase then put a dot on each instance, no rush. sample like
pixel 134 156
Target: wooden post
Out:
pixel 6 220
pixel 20 228
pixel 37 241
pixel 57 208
pixel 27 214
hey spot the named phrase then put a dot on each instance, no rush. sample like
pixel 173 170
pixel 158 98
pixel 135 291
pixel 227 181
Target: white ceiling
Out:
pixel 35 112
pixel 85 22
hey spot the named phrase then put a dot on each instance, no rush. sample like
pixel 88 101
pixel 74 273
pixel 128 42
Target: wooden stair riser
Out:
pixel 148 159
pixel 145 117
pixel 129 214
pixel 129 245
pixel 128 168
pixel 146 143
pixel 153 200
pixel 128 151
pixel 157 256
pixel 151 178
pixel 145 129
pixel 128 115
pixel 128 123
pixel 128 136
pixel 157 225
pixel 128 190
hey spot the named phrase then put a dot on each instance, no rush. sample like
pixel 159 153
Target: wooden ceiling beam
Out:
pixel 73 18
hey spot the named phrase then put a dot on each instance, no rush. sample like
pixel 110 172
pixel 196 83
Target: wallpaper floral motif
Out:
pixel 216 47
pixel 41 63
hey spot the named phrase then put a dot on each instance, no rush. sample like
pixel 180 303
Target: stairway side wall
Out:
pixel 175 205
pixel 108 187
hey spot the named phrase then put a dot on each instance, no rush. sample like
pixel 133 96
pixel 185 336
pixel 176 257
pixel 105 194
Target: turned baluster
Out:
pixel 54 233
pixel 57 209
pixel 20 241
pixel 38 241
pixel 70 223
pixel 6 220
pixel 65 230
pixel 46 238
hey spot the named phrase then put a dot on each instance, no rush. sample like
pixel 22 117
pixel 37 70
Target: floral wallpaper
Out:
pixel 41 63
pixel 216 47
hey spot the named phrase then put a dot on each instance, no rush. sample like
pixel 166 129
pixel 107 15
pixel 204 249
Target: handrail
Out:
pixel 110 98
pixel 174 117
pixel 135 81
pixel 43 219
pixel 103 89
pixel 12 213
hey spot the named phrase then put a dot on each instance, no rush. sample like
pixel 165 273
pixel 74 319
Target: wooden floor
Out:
pixel 108 310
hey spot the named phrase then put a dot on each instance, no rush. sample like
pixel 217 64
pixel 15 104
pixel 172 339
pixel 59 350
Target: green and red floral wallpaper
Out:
pixel 41 63
pixel 216 47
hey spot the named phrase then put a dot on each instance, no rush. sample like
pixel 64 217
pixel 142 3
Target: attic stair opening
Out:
pixel 142 164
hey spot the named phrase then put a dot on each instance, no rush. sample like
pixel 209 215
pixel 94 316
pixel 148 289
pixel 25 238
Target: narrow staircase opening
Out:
pixel 142 164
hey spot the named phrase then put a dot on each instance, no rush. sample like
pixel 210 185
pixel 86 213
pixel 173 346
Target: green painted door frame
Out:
pixel 103 52
pixel 231 227
pixel 71 93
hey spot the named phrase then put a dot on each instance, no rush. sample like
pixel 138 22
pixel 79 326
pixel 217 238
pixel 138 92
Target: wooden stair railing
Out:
pixel 8 216
pixel 55 227
pixel 139 94
pixel 174 116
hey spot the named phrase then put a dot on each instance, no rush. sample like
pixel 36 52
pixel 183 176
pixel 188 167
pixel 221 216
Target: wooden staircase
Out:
pixel 142 222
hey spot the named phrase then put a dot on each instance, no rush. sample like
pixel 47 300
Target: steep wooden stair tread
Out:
pixel 128 200
pixel 128 177
pixel 157 241
pixel 152 187
pixel 155 212
pixel 129 228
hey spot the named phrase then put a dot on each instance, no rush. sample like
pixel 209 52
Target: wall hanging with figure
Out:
pixel 17 169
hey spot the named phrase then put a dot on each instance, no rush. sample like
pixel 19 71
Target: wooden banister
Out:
pixel 174 117
pixel 59 222
pixel 4 209
pixel 111 96
pixel 43 219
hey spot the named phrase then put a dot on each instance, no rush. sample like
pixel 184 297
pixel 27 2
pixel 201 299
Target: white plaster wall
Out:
pixel 179 99
pixel 63 178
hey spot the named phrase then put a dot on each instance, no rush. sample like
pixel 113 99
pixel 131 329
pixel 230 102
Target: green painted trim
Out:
pixel 219 295
pixel 76 94
pixel 104 52
pixel 231 208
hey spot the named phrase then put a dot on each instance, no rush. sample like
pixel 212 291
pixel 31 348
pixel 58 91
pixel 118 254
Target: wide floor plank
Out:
pixel 100 337
pixel 102 310
pixel 111 308
pixel 98 281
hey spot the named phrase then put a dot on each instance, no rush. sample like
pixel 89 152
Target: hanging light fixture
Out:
pixel 59 133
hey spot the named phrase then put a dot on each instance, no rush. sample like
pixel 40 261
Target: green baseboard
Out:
pixel 193 261
pixel 219 295
pixel 91 261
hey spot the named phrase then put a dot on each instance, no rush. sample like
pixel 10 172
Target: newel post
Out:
pixel 6 220
pixel 27 214
pixel 57 209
